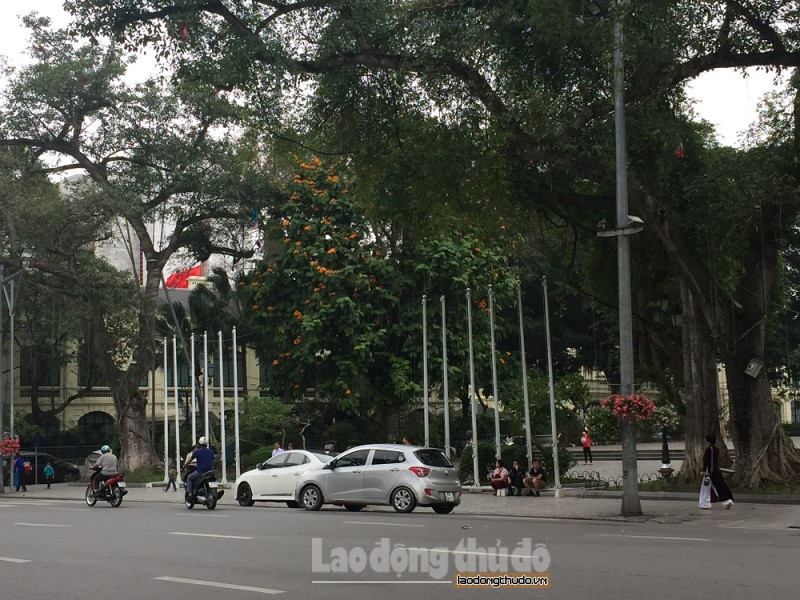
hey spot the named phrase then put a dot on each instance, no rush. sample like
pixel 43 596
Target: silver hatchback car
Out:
pixel 398 475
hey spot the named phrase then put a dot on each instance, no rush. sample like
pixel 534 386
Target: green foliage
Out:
pixel 566 461
pixel 256 457
pixel 602 425
pixel 264 419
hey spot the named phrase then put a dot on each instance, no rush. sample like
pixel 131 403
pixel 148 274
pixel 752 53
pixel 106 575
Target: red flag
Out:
pixel 181 279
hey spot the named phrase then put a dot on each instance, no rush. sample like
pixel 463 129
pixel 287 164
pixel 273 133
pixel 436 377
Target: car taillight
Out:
pixel 420 471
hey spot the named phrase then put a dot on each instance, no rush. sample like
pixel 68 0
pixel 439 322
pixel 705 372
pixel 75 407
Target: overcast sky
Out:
pixel 724 98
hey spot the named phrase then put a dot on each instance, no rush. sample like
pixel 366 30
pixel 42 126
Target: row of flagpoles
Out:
pixel 206 403
pixel 473 398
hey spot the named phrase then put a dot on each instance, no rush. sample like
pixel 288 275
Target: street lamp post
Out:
pixel 625 226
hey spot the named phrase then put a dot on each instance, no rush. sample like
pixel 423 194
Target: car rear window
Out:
pixel 433 458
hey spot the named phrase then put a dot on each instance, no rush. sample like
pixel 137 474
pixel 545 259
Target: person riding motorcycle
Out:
pixel 104 468
pixel 205 462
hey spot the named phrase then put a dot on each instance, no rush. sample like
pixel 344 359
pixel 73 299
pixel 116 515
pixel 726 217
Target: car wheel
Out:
pixel 403 500
pixel 116 497
pixel 354 507
pixel 311 497
pixel 443 509
pixel 68 477
pixel 246 495
pixel 91 500
pixel 292 504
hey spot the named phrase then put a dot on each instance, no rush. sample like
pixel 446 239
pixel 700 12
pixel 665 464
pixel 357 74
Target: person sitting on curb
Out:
pixel 516 475
pixel 535 480
pixel 499 478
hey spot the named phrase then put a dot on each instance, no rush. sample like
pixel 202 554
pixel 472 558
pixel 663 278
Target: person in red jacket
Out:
pixel 586 442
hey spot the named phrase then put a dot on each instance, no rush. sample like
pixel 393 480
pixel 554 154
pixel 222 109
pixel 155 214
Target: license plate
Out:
pixel 212 484
pixel 122 484
pixel 450 496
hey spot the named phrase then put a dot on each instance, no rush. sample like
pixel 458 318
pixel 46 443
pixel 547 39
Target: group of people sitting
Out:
pixel 515 479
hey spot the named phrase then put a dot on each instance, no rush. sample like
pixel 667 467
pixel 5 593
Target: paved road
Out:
pixel 151 548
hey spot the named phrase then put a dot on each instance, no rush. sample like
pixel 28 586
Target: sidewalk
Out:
pixel 772 512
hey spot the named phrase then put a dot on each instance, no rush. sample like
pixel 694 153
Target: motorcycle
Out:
pixel 111 490
pixel 205 491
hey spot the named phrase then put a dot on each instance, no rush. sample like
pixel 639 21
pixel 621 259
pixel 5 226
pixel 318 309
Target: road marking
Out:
pixel 651 537
pixel 191 514
pixel 216 584
pixel 13 560
pixel 40 525
pixel 211 535
pixel 379 523
pixel 380 581
pixel 471 552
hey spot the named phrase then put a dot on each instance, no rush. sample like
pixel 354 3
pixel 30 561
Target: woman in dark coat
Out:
pixel 719 489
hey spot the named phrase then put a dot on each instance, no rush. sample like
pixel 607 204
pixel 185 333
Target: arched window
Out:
pixel 99 426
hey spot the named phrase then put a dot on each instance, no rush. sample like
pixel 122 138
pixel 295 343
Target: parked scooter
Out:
pixel 205 491
pixel 111 491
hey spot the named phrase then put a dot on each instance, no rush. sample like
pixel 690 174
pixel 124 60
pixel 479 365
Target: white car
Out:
pixel 276 479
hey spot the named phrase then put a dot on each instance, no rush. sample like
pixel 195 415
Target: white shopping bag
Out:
pixel 705 495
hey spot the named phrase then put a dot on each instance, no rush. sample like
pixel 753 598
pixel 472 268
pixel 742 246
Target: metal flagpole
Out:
pixel 166 413
pixel 445 387
pixel 528 433
pixel 194 395
pixel 222 411
pixel 205 384
pixel 473 401
pixel 236 404
pixel 553 426
pixel 177 402
pixel 11 299
pixel 496 393
pixel 2 460
pixel 426 405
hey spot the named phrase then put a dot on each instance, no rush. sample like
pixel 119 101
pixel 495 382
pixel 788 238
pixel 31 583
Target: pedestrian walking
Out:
pixel 49 474
pixel 173 475
pixel 19 473
pixel 713 487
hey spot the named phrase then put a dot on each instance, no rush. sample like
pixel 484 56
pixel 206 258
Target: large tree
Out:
pixel 148 154
pixel 535 90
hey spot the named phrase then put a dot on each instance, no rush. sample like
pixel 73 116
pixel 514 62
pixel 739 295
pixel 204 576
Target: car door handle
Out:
pixel 297 474
pixel 394 470
pixel 355 472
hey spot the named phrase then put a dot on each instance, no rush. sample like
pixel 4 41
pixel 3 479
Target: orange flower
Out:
pixel 326 221
pixel 298 315
pixel 241 283
pixel 502 362
pixel 287 241
pixel 297 340
pixel 276 362
pixel 477 249
pixel 348 392
pixel 270 308
pixel 332 251
pixel 298 243
pixel 285 223
pixel 307 228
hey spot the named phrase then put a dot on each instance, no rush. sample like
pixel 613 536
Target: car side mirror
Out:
pixel 260 466
pixel 330 466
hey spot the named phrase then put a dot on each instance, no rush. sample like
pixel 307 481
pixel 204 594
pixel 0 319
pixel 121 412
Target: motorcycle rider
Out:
pixel 104 468
pixel 205 462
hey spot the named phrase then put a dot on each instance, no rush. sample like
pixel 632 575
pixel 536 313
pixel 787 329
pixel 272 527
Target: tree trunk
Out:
pixel 701 389
pixel 132 426
pixel 763 452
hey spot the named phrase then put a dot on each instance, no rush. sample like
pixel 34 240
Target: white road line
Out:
pixel 650 537
pixel 41 525
pixel 382 581
pixel 216 584
pixel 379 523
pixel 469 552
pixel 205 516
pixel 211 535
pixel 13 560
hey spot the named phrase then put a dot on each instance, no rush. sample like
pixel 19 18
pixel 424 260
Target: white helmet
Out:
pixel 203 441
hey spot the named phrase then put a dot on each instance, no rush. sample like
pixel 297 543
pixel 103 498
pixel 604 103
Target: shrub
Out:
pixel 518 452
pixel 256 456
pixel 566 460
